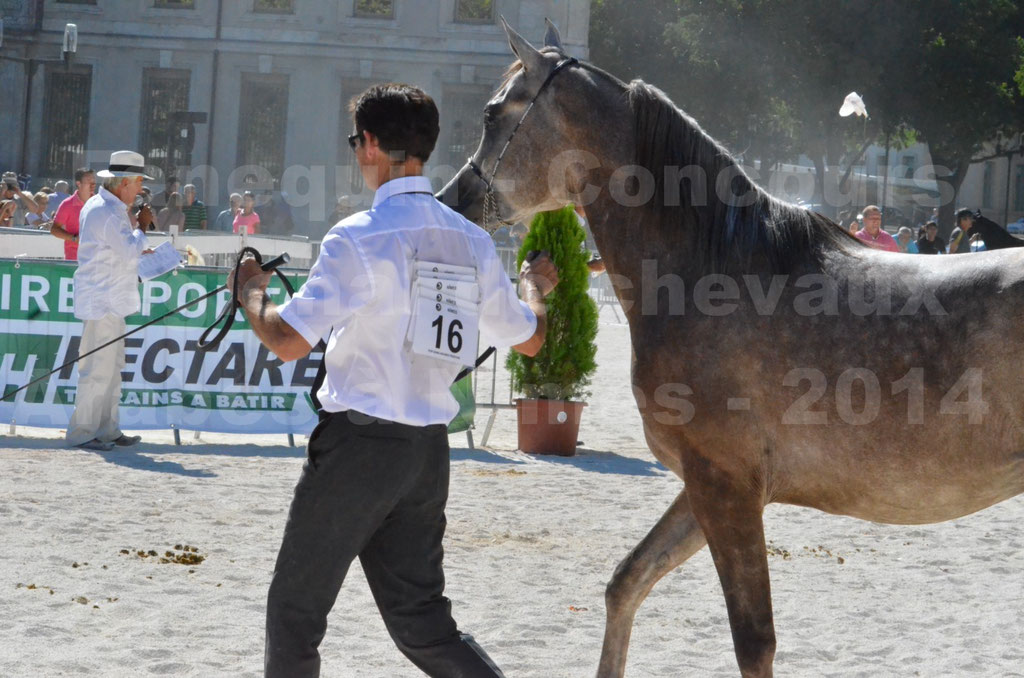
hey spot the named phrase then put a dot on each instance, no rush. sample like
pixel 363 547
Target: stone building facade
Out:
pixel 270 81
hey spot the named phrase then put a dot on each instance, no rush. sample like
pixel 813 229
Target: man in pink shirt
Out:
pixel 65 219
pixel 872 232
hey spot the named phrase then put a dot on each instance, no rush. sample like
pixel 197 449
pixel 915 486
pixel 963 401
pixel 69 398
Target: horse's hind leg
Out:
pixel 674 538
pixel 730 517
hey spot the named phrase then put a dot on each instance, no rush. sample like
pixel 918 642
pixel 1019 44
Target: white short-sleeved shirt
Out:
pixel 109 247
pixel 361 286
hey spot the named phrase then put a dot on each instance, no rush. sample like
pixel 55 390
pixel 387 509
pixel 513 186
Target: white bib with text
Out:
pixel 445 313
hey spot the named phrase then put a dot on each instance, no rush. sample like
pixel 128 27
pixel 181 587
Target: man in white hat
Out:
pixel 106 291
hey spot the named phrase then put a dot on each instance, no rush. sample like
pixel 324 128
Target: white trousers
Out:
pixel 99 383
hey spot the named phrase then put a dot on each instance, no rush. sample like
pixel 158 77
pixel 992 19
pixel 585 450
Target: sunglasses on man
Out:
pixel 352 138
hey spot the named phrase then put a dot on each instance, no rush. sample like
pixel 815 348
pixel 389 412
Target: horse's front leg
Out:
pixel 729 511
pixel 674 538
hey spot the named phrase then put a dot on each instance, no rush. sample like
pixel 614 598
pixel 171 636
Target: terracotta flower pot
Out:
pixel 549 426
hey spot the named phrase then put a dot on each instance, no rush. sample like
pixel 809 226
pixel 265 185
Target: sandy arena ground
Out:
pixel 531 544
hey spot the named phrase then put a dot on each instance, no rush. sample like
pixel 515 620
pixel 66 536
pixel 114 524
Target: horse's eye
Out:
pixel 490 116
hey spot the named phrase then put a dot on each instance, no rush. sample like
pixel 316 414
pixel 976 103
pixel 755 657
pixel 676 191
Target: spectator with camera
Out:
pixel 24 202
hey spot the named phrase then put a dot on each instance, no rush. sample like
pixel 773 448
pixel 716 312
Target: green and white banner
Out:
pixel 167 382
pixel 238 387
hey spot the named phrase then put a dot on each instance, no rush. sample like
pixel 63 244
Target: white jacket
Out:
pixel 108 259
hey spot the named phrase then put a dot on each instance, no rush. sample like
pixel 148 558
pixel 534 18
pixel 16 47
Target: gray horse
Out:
pixel 775 358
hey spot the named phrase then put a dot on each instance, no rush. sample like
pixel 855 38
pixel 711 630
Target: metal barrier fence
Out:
pixel 508 261
pixel 216 248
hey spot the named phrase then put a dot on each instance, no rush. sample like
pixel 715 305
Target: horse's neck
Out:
pixel 636 250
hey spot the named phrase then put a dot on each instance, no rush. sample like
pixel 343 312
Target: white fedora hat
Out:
pixel 125 164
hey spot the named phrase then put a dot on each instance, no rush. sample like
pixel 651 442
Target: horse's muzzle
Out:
pixel 465 194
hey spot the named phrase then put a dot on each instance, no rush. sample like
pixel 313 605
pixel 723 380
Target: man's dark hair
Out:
pixel 403 117
pixel 964 214
pixel 81 172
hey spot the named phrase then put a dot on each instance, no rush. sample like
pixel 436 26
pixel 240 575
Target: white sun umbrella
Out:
pixel 853 105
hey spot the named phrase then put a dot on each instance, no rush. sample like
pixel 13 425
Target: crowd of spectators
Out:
pixel 259 210
pixel 255 207
pixel 867 226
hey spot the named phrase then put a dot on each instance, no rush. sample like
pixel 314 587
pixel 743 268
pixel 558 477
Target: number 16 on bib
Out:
pixel 445 328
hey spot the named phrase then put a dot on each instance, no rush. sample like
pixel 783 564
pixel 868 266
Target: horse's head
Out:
pixel 529 158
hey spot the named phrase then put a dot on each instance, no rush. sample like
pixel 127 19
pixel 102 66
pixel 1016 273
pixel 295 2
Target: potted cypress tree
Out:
pixel 554 381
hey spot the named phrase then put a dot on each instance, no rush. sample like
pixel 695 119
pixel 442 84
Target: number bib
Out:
pixel 445 314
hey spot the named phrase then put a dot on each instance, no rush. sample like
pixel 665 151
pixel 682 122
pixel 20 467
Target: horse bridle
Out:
pixel 490 202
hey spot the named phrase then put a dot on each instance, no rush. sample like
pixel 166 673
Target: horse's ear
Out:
pixel 551 36
pixel 532 59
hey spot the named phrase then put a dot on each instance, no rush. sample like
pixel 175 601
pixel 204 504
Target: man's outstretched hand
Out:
pixel 538 269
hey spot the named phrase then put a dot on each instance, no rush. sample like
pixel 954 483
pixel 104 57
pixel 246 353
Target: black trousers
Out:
pixel 375 490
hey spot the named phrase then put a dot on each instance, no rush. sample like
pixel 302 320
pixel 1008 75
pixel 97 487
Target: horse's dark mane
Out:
pixel 728 234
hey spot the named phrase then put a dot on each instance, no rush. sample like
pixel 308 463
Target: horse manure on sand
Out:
pixel 181 555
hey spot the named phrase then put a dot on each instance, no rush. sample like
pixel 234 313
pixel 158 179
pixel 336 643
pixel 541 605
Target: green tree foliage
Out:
pixel 564 365
pixel 960 93
pixel 1020 71
pixel 767 77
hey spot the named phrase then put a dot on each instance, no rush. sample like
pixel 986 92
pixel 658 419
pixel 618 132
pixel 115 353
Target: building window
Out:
pixel 164 92
pixel 174 4
pixel 274 6
pixel 374 9
pixel 474 11
pixel 986 185
pixel 1018 200
pixel 262 119
pixel 65 121
pixel 909 163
